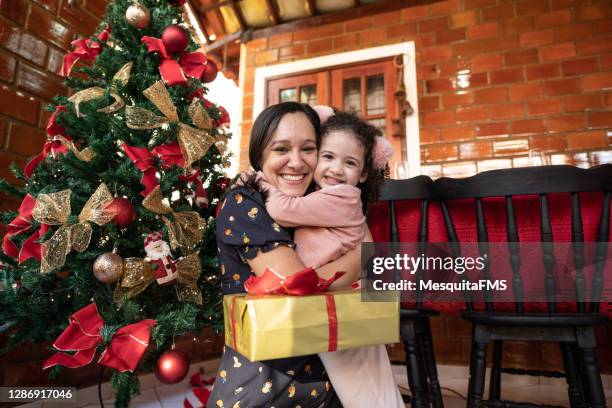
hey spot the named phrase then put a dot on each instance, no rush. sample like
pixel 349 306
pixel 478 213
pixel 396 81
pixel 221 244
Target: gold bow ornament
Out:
pixel 54 209
pixel 122 77
pixel 139 274
pixel 193 141
pixel 186 228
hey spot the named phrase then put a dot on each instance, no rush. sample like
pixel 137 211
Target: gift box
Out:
pixel 264 327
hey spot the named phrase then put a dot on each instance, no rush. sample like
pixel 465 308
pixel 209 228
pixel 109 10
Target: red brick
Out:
pixel 449 36
pixel 486 45
pixel 457 133
pixel 478 79
pixel 491 129
pixel 477 4
pixel 14 10
pixel 50 5
pixel 544 107
pixel 605 62
pixel 346 41
pixel 402 30
pixel 445 7
pixel 439 118
pixel 292 51
pixel 497 13
pixel 579 66
pixel 425 40
pixel 82 21
pixel 439 53
pixel 506 76
pixel 586 140
pixel 23 44
pixel 465 19
pixel 518 25
pixel 593 12
pixel 415 13
pixel 526 91
pixel 573 32
pixel 529 126
pixel 434 24
pixel 608 99
pixel 280 40
pixel 522 57
pixel 486 30
pixel 7 67
pixel 542 71
pixel 441 152
pixel 557 87
pixel 391 17
pixel 45 26
pixel 557 52
pixel 597 82
pixel 427 71
pixel 452 68
pixel 491 95
pixel 96 7
pixel 429 103
pixel 54 61
pixel 594 46
pixel 472 114
pixel 268 56
pixel 512 146
pixel 475 150
pixel 602 27
pixel 555 18
pixel 358 24
pixel 536 38
pixel 457 99
pixel 548 143
pixel 430 135
pixel 565 123
pixel 530 7
pixel 256 45
pixel 18 106
pixel 25 140
pixel 580 103
pixel 483 63
pixel 39 83
pixel 507 111
pixel 439 85
pixel 600 119
pixel 375 35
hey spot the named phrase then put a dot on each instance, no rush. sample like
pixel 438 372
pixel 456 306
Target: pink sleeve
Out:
pixel 332 207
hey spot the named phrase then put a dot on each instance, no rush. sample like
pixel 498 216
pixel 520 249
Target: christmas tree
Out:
pixel 116 226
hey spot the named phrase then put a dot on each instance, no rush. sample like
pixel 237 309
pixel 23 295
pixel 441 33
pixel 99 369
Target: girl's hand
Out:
pixel 244 177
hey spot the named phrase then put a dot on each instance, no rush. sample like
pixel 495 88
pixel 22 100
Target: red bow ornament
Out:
pixel 223 118
pixel 52 145
pixel 83 336
pixel 172 71
pixel 85 49
pixel 200 196
pixel 20 225
pixel 304 282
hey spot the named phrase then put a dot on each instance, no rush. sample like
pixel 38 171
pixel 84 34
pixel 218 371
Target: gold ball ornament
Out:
pixel 137 15
pixel 108 267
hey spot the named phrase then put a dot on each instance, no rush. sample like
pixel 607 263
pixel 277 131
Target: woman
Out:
pixel 283 145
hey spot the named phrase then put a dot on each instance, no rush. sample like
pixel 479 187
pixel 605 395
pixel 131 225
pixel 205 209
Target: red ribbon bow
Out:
pixel 83 336
pixel 199 192
pixel 52 145
pixel 223 119
pixel 20 225
pixel 85 49
pixel 172 71
pixel 170 154
pixel 304 282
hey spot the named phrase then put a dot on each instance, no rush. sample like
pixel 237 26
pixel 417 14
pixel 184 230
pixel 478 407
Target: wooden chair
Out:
pixel 411 197
pixel 551 193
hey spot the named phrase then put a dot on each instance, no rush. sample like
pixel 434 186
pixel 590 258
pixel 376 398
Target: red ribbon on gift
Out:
pixel 20 225
pixel 85 49
pixel 52 145
pixel 223 119
pixel 332 323
pixel 304 282
pixel 172 71
pixel 83 336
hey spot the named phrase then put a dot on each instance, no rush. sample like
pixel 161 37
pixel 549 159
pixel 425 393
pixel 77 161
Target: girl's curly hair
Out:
pixel 366 135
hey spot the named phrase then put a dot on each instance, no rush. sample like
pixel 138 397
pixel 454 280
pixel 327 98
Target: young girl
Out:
pixel 330 222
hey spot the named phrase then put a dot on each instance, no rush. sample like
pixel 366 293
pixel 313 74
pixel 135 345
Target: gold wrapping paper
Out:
pixel 193 141
pixel 269 327
pixel 54 209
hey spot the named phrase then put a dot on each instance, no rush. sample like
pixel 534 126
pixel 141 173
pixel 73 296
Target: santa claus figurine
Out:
pixel 158 251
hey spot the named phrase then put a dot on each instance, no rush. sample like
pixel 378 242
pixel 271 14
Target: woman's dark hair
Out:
pixel 266 123
pixel 366 134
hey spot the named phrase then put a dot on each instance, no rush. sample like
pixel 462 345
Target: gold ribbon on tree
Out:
pixel 194 141
pixel 54 209
pixel 86 154
pixel 138 275
pixel 122 76
pixel 187 227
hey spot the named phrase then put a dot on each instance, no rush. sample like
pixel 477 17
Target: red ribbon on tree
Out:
pixel 85 49
pixel 83 336
pixel 199 192
pixel 223 119
pixel 172 71
pixel 21 224
pixel 52 145
pixel 304 282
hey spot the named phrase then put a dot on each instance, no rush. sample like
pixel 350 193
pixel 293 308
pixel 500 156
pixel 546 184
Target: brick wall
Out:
pixel 540 77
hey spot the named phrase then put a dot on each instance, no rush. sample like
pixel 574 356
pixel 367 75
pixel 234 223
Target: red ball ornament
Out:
pixel 123 211
pixel 210 72
pixel 171 367
pixel 175 38
pixel 221 184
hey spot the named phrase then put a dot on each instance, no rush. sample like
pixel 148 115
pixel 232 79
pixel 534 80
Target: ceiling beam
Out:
pixel 273 13
pixel 204 9
pixel 312 7
pixel 238 15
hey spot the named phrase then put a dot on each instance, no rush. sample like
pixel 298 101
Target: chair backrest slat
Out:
pixel 422 245
pixel 483 247
pixel 547 254
pixel 578 253
pixel 601 251
pixel 515 258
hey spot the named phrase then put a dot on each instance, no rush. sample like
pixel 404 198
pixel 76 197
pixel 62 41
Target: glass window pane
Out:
pixel 288 95
pixel 351 91
pixel 379 123
pixel 375 91
pixel 308 94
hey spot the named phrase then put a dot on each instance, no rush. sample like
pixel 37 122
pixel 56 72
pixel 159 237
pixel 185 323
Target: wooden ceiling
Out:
pixel 227 23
